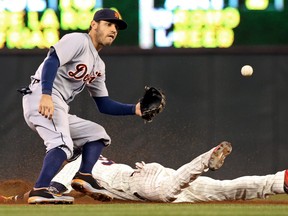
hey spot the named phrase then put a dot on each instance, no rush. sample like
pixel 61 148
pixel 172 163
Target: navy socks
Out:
pixel 55 158
pixel 51 164
pixel 90 154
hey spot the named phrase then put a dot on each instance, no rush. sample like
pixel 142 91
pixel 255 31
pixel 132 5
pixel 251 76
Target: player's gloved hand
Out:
pixel 46 106
pixel 152 103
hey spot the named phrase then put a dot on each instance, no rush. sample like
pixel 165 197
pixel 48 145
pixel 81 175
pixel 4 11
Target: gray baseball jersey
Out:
pixel 153 182
pixel 80 67
pixel 86 69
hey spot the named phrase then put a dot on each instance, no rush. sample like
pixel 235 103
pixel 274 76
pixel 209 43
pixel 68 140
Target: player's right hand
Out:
pixel 46 106
pixel 138 109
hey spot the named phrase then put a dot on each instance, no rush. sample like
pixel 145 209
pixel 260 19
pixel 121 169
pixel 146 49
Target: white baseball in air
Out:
pixel 246 70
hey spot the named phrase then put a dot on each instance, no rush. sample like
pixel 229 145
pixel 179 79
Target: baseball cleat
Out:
pixel 57 188
pixel 85 183
pixel 43 196
pixel 218 155
pixel 286 181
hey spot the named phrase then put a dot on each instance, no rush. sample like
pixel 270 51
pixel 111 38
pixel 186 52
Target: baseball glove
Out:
pixel 152 103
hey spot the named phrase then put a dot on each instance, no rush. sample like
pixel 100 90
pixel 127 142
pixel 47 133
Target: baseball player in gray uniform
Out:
pixel 153 182
pixel 71 65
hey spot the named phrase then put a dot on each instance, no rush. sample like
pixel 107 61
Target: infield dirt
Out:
pixel 18 186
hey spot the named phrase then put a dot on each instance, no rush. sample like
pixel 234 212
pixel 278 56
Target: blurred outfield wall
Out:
pixel 207 101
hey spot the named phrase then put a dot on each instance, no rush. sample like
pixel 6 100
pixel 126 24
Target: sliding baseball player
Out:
pixel 153 182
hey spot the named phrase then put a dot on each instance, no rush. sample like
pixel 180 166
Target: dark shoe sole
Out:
pixel 83 187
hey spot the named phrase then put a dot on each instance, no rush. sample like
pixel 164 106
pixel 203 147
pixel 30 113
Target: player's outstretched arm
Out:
pixel 111 107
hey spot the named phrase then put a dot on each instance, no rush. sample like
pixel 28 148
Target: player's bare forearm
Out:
pixel 46 106
pixel 138 110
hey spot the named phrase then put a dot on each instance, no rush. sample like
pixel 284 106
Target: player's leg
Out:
pixel 41 192
pixel 62 181
pixel 186 174
pixel 244 188
pixel 154 182
pixel 92 138
pixel 144 183
pixel 56 136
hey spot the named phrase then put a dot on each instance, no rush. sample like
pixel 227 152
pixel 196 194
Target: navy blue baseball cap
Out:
pixel 110 15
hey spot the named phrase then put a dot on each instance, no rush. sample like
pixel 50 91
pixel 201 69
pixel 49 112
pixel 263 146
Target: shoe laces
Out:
pixel 54 191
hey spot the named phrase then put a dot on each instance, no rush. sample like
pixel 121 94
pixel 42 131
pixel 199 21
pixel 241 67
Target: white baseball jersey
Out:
pixel 80 66
pixel 153 182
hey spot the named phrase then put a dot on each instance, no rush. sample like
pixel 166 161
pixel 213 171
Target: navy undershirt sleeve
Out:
pixel 49 71
pixel 111 107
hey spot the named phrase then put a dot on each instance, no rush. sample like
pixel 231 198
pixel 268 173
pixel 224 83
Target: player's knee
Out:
pixel 66 148
pixel 97 132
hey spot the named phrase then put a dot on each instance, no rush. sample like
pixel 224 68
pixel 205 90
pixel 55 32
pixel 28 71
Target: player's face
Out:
pixel 103 33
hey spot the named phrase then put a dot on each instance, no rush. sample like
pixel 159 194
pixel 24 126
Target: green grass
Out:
pixel 141 209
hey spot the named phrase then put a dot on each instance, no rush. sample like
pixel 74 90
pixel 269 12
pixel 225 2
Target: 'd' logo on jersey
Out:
pixel 81 74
